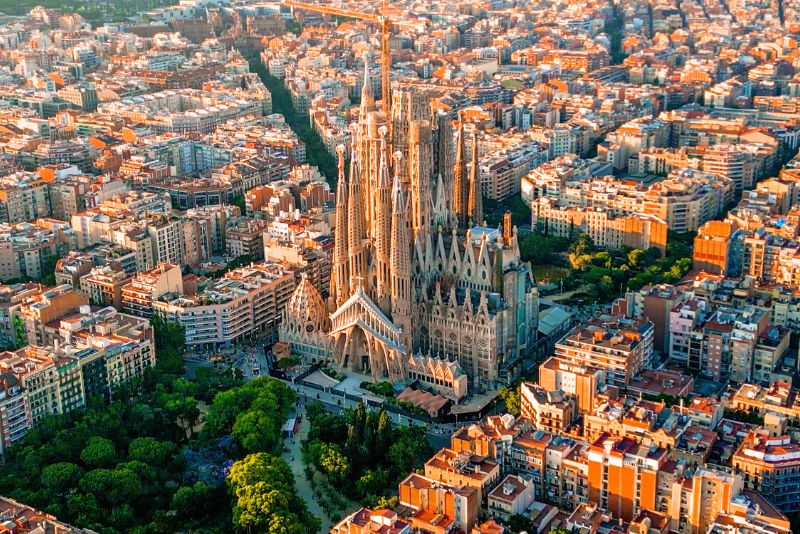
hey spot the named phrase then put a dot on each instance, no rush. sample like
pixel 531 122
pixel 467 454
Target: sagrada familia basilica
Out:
pixel 420 288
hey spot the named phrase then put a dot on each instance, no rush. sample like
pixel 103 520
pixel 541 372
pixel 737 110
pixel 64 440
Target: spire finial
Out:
pixel 340 149
pixel 383 131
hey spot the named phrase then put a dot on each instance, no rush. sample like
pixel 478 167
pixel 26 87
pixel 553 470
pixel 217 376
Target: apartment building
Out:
pixel 611 229
pixel 550 410
pixel 463 469
pixel 53 383
pixel 23 198
pixel 619 346
pixel 28 520
pixel 24 249
pixel 502 171
pixel 490 438
pixel 712 251
pixel 770 355
pixel 631 138
pixel 167 238
pixel 612 210
pixel 245 237
pixel 437 506
pixel 83 97
pixel 146 287
pixel 103 285
pixel 732 162
pixel 750 512
pixel 550 178
pixel 624 418
pixel 662 161
pixel 555 464
pixel 36 312
pixel 723 346
pixel 692 497
pixel 367 521
pixel 121 346
pixel 94 353
pixel 246 301
pixel 512 496
pixel 573 379
pixel 688 198
pixel 777 398
pixel 770 465
pixel 623 475
pixel 684 319
pixel 15 411
pixel 70 152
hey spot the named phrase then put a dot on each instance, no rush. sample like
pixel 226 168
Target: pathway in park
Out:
pixel 302 484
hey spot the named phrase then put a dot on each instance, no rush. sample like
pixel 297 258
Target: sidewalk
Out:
pixel 302 484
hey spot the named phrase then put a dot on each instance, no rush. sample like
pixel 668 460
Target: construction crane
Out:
pixel 382 21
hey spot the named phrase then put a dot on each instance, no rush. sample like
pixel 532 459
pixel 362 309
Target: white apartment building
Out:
pixel 246 301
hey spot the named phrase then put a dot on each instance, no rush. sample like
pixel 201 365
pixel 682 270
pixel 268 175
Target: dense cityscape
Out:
pixel 400 267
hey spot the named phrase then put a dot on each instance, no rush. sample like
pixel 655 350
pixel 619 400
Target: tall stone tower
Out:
pixel 407 106
pixel 475 192
pixel 400 257
pixel 357 239
pixel 420 155
pixel 340 271
pixel 460 178
pixel 383 230
pixel 368 145
pixel 443 165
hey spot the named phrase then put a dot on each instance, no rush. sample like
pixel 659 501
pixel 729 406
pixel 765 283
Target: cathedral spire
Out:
pixel 383 229
pixel 400 260
pixel 340 278
pixel 357 228
pixel 367 96
pixel 475 193
pixel 420 157
pixel 460 184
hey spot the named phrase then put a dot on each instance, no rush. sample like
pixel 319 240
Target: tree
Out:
pixel 520 523
pixel 636 258
pixel 112 486
pixel 99 452
pixel 331 427
pixel 239 202
pixel 190 501
pixel 223 410
pixel 83 509
pixel 151 451
pixel 383 433
pixel 510 396
pixel 354 448
pixel 403 455
pixel 373 482
pixel 580 252
pixel 170 340
pixel 264 498
pixel 147 474
pixel 359 420
pixel 122 516
pixel 334 464
pixel 60 476
pixel 256 431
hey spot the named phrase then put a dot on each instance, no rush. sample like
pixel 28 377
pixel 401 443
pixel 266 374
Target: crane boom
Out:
pixel 330 10
pixel 385 25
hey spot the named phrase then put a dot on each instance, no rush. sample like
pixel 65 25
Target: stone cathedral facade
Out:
pixel 414 271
